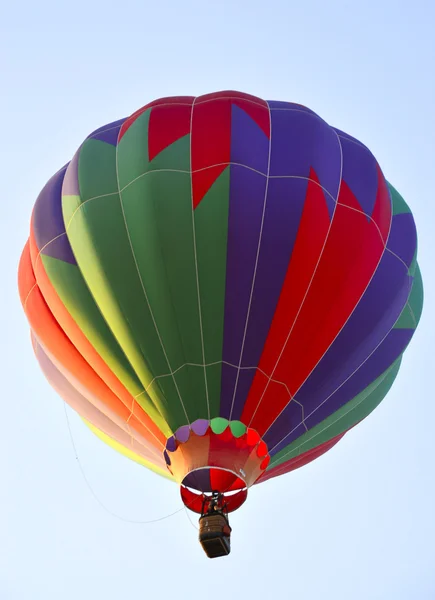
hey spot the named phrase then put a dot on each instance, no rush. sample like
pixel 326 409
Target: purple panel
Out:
pixel 292 417
pixel 285 202
pixel 279 105
pixel 301 141
pixel 71 182
pixel 249 143
pixel 200 426
pixel 171 444
pixel 199 480
pixel 61 249
pixel 228 381
pixel 108 133
pixel 343 134
pixel 403 237
pixel 183 433
pixel 392 347
pixel 372 319
pixel 47 218
pixel 48 221
pixel 244 382
pixel 247 197
pixel 360 173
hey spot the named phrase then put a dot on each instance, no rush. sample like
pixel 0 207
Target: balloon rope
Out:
pixel 190 520
pixel 96 497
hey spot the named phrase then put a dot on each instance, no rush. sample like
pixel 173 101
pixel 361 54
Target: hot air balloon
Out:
pixel 221 287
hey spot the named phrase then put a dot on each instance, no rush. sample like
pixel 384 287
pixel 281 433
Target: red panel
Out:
pixel 300 461
pixel 258 113
pixel 225 436
pixel 211 144
pixel 313 229
pixel 273 393
pixel 168 123
pixel 265 462
pixel 382 211
pixel 231 95
pixel 350 257
pixel 26 277
pixel 211 130
pixel 203 180
pixel 224 480
pixel 261 449
pixel 188 100
pixel 252 437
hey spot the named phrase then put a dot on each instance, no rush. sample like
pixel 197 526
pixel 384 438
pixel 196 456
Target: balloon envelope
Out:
pixel 221 287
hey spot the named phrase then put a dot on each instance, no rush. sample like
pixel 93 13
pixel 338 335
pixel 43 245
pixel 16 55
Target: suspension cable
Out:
pixel 116 516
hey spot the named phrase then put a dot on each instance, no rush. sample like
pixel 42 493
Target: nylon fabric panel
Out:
pixel 340 421
pixel 95 411
pixel 112 275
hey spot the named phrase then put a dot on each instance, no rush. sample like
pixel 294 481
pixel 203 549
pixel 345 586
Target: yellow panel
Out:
pixel 127 452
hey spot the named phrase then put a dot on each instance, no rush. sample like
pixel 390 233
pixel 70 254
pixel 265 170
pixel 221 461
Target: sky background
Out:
pixel 359 522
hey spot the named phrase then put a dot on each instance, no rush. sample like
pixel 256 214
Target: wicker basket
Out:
pixel 214 535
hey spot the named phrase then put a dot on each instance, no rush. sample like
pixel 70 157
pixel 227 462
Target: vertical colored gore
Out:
pixel 215 456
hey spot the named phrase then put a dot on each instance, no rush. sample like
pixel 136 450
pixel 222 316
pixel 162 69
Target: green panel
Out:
pixel 347 416
pixel 132 154
pixel 75 296
pixel 97 173
pixel 167 394
pixel 211 230
pixel 214 375
pixel 159 205
pixel 111 275
pixel 416 296
pixel 413 265
pixel 69 206
pixel 406 319
pixel 132 151
pixel 191 384
pixel 174 157
pixel 158 212
pixel 399 204
pixel 238 428
pixel 150 271
pixel 411 313
pixel 219 424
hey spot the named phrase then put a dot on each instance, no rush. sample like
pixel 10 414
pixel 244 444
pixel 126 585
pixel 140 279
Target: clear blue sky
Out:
pixel 357 524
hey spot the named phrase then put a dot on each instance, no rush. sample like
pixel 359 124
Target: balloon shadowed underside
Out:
pixel 216 281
